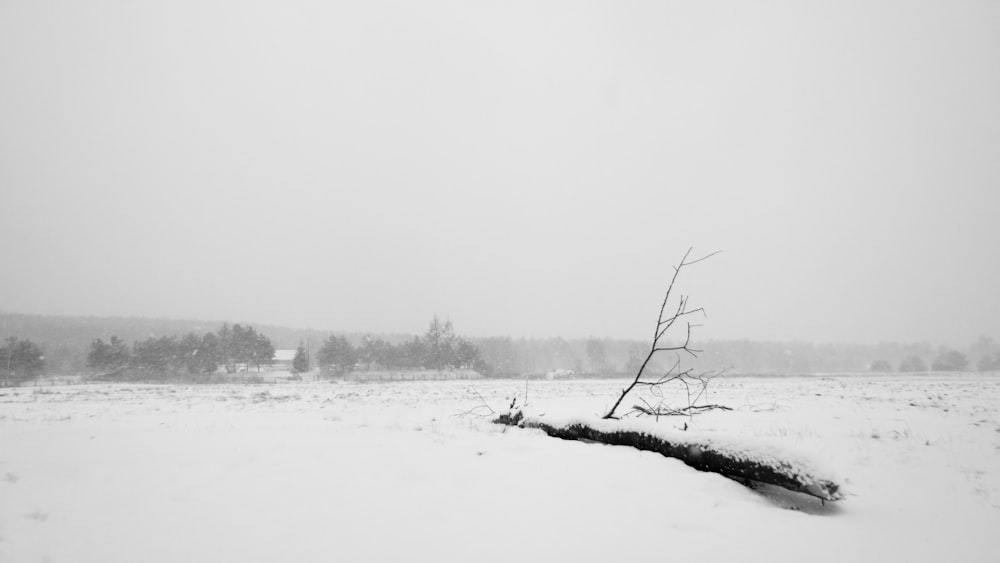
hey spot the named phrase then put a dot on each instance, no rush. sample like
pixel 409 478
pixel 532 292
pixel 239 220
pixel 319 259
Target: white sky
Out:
pixel 525 168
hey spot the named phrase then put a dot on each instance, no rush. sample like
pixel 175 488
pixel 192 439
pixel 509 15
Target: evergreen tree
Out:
pixel 375 351
pixel 187 350
pixel 227 352
pixel 263 350
pixel 242 347
pixel 336 355
pixel 300 363
pixel 199 354
pixel 22 360
pixel 108 356
pixel 157 357
pixel 209 354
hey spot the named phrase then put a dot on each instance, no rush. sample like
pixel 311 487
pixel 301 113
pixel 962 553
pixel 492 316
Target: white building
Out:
pixel 283 359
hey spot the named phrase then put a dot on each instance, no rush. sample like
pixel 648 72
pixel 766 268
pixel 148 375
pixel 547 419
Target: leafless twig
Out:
pixel 482 409
pixel 664 322
pixel 659 411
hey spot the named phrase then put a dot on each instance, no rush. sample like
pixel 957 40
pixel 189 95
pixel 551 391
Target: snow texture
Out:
pixel 315 471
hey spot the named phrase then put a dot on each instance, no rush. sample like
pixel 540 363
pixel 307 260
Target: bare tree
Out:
pixel 740 464
pixel 665 321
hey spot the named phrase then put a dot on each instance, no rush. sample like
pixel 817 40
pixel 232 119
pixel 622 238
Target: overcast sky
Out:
pixel 524 168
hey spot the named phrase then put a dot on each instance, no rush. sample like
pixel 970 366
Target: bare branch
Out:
pixel 683 411
pixel 478 409
pixel 705 257
pixel 663 325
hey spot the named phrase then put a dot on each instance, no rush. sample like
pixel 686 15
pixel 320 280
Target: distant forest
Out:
pixel 66 341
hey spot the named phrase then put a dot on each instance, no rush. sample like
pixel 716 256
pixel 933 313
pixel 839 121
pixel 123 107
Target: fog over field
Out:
pixel 541 281
pixel 526 169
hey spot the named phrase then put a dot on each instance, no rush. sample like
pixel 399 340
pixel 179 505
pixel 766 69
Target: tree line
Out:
pixel 945 360
pixel 438 348
pixel 66 342
pixel 236 348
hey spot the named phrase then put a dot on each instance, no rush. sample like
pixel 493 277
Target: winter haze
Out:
pixel 524 168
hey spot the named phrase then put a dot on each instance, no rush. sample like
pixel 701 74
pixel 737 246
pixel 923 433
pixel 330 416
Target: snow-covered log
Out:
pixel 741 463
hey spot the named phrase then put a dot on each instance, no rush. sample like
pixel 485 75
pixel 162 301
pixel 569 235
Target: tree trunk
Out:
pixel 700 456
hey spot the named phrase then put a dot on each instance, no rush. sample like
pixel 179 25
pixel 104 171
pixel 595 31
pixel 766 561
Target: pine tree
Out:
pixel 300 363
pixel 22 360
pixel 337 355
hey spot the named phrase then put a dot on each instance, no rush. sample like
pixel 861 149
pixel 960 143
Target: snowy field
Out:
pixel 395 472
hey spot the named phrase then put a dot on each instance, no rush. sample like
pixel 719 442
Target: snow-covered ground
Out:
pixel 396 472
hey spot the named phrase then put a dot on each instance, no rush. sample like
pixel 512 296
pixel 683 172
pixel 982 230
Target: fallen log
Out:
pixel 740 464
